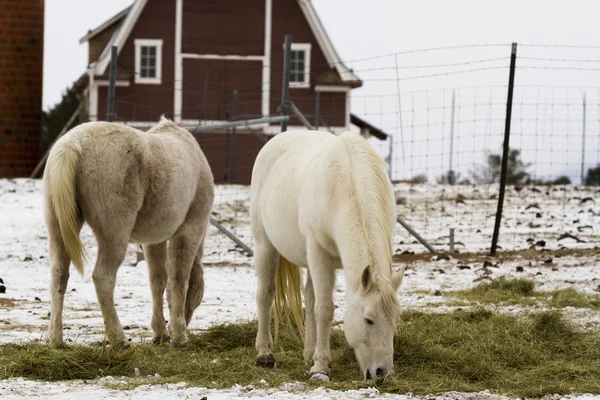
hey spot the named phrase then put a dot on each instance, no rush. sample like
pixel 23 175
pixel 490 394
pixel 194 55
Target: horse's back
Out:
pixel 283 169
pixel 124 172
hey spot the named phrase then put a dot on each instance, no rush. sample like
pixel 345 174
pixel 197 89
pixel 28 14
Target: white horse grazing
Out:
pixel 130 186
pixel 324 202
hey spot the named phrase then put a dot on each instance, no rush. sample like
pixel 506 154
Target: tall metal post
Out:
pixel 582 181
pixel 317 108
pixel 506 149
pixel 112 79
pixel 234 105
pixel 285 92
pixel 451 175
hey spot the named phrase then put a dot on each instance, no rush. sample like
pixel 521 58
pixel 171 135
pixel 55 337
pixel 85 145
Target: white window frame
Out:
pixel 157 43
pixel 306 47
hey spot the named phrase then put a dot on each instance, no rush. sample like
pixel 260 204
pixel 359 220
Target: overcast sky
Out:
pixel 361 29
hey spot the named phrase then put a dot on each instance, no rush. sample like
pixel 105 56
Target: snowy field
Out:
pixel 534 217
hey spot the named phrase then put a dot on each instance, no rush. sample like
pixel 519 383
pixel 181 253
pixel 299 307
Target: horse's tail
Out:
pixel 288 297
pixel 61 172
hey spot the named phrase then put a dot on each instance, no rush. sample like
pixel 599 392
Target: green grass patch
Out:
pixel 531 355
pixel 523 292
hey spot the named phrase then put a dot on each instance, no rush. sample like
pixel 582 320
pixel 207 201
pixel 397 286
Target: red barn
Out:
pixel 184 59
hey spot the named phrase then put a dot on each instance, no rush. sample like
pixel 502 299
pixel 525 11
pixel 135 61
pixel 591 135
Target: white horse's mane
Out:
pixel 375 198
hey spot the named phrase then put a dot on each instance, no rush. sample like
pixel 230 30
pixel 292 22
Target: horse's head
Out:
pixel 370 322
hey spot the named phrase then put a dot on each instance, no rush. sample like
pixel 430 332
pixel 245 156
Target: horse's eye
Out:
pixel 369 321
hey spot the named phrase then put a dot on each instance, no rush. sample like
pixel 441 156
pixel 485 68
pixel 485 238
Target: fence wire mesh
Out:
pixel 444 110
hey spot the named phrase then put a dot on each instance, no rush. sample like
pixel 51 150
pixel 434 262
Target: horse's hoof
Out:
pixel 122 345
pixel 179 344
pixel 319 377
pixel 266 361
pixel 161 339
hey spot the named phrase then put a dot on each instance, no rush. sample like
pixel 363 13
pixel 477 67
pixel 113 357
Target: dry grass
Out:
pixel 522 292
pixel 511 255
pixel 534 355
pixel 8 303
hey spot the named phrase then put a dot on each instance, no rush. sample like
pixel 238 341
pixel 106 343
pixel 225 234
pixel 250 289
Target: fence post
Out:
pixel 317 108
pixel 506 149
pixel 233 132
pixel 451 175
pixel 112 79
pixel 285 92
pixel 582 182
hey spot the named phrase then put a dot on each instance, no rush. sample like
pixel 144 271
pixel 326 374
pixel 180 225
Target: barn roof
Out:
pixel 106 24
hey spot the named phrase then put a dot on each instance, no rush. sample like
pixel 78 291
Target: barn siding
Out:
pixel 221 78
pixel 289 19
pixel 217 148
pixel 224 27
pixel 143 102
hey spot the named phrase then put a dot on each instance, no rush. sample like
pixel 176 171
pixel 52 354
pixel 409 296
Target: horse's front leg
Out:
pixel 182 251
pixel 322 271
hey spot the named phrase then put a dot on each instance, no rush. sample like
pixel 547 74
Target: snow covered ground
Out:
pixel 536 214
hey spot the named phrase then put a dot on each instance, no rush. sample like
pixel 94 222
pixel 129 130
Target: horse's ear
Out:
pixel 397 279
pixel 366 278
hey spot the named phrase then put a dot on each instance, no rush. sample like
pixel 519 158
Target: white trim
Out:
pixel 325 42
pixel 348 105
pixel 222 57
pixel 178 80
pixel 266 72
pixel 93 98
pixel 306 47
pixel 126 28
pixel 332 88
pixel 117 83
pixel 139 43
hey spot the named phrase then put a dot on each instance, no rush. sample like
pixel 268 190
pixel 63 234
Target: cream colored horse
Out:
pixel 153 188
pixel 324 202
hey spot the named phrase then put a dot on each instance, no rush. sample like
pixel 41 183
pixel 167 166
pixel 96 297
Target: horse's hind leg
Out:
pixel 266 261
pixel 60 262
pixel 310 339
pixel 182 252
pixel 156 256
pixel 195 290
pixel 111 253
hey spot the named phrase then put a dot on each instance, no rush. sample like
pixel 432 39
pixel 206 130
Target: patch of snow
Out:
pixel 230 282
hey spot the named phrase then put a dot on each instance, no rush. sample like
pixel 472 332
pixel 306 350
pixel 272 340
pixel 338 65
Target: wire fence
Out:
pixel 445 111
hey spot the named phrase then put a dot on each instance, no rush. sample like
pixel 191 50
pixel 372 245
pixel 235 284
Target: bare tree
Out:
pixel 490 171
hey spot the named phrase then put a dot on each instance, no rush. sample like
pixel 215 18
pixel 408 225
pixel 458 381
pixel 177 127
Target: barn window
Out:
pixel 148 61
pixel 300 65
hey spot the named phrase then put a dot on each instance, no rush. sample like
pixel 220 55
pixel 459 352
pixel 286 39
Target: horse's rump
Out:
pixel 104 173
